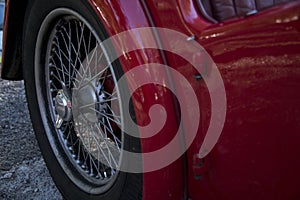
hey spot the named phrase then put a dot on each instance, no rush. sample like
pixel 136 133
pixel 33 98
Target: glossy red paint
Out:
pixel 119 16
pixel 259 59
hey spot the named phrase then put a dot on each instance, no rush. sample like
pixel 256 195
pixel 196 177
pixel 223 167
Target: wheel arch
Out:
pixel 119 16
pixel 116 16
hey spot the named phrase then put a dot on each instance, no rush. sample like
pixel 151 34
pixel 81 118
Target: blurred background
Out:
pixel 2 8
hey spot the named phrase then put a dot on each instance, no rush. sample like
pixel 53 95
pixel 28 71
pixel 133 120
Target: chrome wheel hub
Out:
pixel 84 101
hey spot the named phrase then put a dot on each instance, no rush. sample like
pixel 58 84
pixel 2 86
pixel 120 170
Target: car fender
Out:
pixel 117 16
pixel 120 16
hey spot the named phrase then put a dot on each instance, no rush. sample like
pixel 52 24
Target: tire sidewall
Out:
pixel 36 12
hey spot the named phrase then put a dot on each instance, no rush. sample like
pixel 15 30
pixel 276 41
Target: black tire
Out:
pixel 73 170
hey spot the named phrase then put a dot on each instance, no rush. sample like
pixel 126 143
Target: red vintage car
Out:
pixel 162 99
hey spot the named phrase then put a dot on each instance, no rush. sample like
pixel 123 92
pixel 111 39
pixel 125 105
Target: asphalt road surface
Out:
pixel 23 174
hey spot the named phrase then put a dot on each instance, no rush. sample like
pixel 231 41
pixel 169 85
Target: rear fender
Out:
pixel 120 16
pixel 116 16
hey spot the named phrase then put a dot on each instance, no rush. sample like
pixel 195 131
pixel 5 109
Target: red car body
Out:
pixel 258 56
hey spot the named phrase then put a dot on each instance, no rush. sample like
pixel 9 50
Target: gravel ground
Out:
pixel 23 174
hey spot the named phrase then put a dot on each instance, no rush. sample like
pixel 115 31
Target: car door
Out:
pixel 256 48
pixel 259 59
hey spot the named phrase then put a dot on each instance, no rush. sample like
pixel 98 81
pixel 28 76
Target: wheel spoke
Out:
pixel 86 125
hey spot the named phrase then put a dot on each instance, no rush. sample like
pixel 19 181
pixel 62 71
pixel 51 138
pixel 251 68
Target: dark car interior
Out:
pixel 220 10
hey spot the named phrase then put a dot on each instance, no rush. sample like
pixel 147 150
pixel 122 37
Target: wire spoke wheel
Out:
pixel 75 102
pixel 81 97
